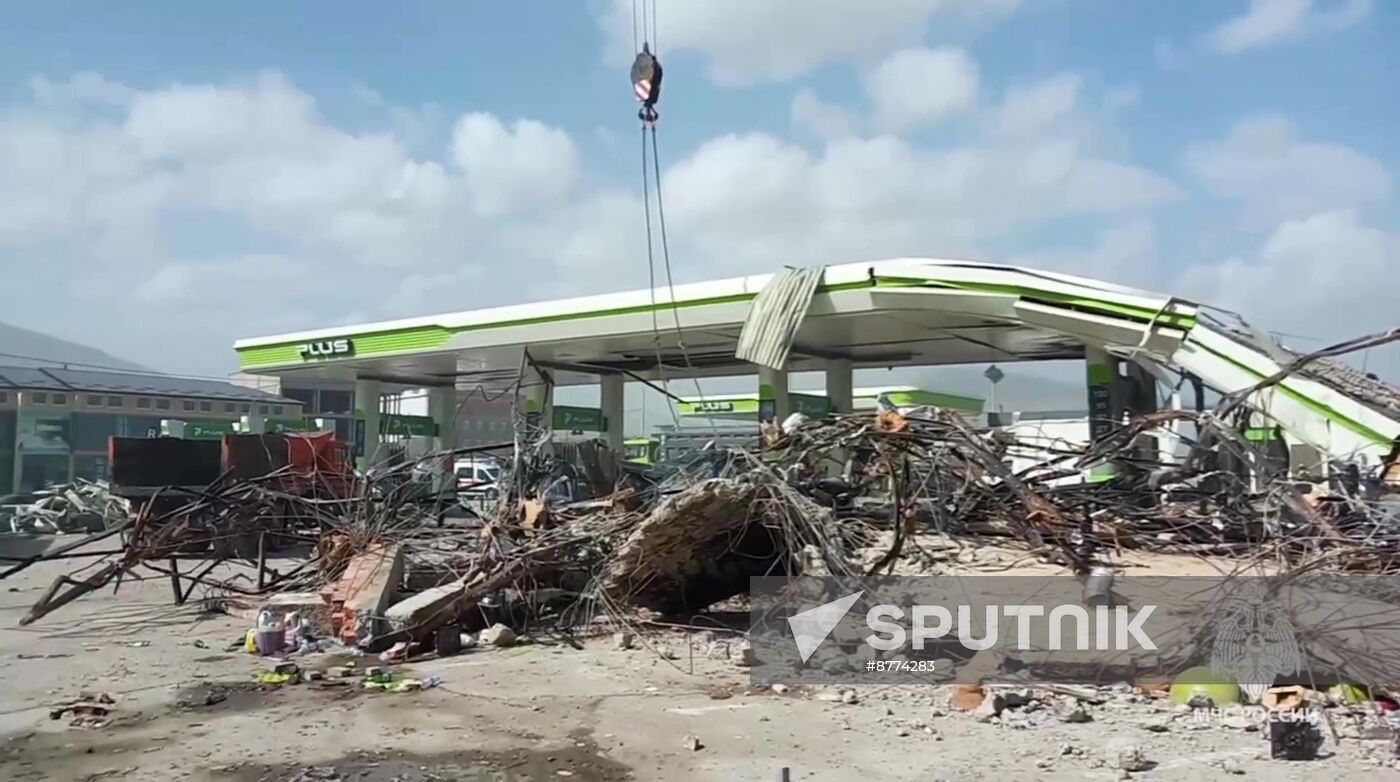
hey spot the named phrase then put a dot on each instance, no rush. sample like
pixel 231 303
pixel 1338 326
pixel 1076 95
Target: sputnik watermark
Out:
pixel 1250 631
pixel 1065 627
pixel 1115 629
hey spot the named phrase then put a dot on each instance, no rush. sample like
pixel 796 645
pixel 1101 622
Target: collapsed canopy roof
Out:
pixel 907 312
pixel 885 313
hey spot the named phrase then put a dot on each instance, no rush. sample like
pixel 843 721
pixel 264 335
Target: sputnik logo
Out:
pixel 811 627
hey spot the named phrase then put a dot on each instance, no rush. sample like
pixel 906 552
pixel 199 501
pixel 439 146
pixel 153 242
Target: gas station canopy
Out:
pixel 879 314
pixel 906 312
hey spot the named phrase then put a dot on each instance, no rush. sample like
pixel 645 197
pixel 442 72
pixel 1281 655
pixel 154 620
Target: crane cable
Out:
pixel 647 77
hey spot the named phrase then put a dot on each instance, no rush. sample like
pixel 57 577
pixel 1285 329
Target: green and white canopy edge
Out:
pixel 905 312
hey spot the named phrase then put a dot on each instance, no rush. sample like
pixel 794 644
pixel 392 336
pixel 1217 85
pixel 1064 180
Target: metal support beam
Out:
pixel 368 394
pixel 839 385
pixel 442 406
pixel 773 401
pixel 611 392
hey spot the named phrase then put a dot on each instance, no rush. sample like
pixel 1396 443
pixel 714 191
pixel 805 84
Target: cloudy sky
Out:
pixel 174 175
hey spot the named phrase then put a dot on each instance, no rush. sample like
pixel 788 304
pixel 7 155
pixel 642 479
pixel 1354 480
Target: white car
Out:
pixel 478 478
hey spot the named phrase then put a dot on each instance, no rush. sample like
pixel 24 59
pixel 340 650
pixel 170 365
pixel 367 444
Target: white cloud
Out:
pixel 1275 174
pixel 746 42
pixel 1122 98
pixel 87 88
pixel 366 94
pixel 1029 110
pixel 1125 253
pixel 1265 21
pixel 750 202
pixel 511 169
pixel 825 120
pixel 915 87
pixel 1166 54
pixel 1328 276
pixel 199 199
pixel 1347 13
pixel 597 244
pixel 1268 22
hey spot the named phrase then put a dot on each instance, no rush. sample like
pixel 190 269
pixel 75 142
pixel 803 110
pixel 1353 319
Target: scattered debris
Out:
pixel 88 710
pixel 1294 740
pixel 1123 754
pixel 1231 766
pixel 497 635
pixel 1156 724
pixel 692 743
pixel 1072 711
pixel 1287 698
pixel 82 506
pixel 588 546
pixel 967 697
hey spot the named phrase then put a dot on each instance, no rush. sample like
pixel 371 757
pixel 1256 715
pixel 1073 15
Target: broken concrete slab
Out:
pixel 423 608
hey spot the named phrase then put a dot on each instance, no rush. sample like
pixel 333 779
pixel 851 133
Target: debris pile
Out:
pixel 82 506
pixel 372 562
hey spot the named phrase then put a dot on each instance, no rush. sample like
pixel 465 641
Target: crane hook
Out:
pixel 646 83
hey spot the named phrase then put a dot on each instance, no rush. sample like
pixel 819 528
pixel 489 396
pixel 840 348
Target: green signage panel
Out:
pixel 291 425
pixel 408 426
pixel 207 430
pixel 578 419
pixel 810 405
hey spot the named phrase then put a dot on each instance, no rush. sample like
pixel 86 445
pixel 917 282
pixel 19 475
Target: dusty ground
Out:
pixel 536 712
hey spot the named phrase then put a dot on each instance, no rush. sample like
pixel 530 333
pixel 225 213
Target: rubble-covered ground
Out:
pixel 674 706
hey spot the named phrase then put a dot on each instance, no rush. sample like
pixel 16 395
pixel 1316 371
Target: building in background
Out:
pixel 480 420
pixel 333 403
pixel 54 423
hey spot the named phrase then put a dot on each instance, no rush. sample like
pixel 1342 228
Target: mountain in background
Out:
pixel 40 350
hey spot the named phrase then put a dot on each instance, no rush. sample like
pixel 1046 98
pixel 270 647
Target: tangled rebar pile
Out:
pixel 597 531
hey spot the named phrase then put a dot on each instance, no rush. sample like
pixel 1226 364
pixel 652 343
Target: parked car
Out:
pixel 479 478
